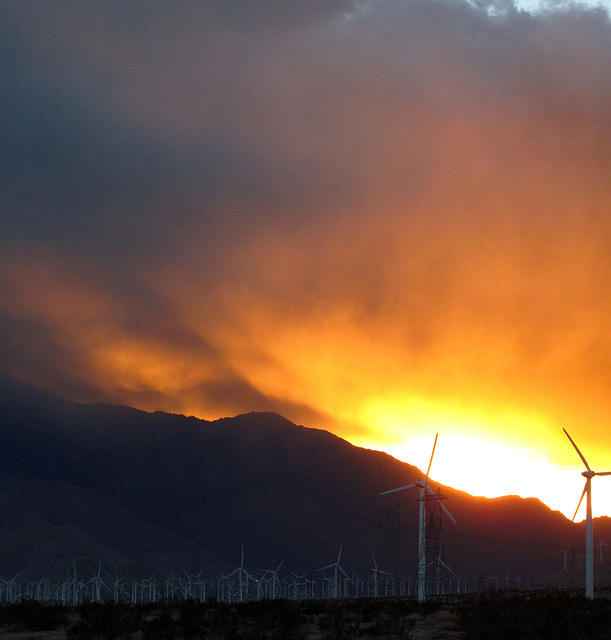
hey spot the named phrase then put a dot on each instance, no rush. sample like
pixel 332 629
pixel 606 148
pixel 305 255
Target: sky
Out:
pixel 384 218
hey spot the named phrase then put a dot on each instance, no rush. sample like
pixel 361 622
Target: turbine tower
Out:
pixel 424 487
pixel 588 474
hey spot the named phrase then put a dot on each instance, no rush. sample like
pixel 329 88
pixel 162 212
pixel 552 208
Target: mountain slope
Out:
pixel 156 491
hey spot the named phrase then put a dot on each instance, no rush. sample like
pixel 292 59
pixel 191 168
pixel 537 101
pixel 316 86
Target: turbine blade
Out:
pixel 375 564
pixel 407 486
pixel 347 576
pixel 448 513
pixel 432 454
pixel 583 493
pixel 428 488
pixel 577 449
pixel 603 473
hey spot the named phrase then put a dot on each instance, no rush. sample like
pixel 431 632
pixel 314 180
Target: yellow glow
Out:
pixel 491 470
pixel 392 418
pixel 494 459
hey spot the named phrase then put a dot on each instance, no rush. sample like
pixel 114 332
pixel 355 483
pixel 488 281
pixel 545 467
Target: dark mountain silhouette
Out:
pixel 148 493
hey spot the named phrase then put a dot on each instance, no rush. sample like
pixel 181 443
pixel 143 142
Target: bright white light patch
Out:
pixel 486 469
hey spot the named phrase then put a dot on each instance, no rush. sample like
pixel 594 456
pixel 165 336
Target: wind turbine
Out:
pixel 337 569
pixel 564 552
pixel 96 585
pixel 424 488
pixel 588 474
pixel 244 579
pixel 275 581
pixel 376 577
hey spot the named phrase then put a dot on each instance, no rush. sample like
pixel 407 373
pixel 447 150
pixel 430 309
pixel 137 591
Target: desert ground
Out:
pixel 542 615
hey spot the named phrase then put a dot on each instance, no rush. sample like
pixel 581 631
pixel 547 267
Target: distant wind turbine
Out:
pixel 588 474
pixel 565 552
pixel 275 581
pixel 376 576
pixel 337 569
pixel 424 488
pixel 244 579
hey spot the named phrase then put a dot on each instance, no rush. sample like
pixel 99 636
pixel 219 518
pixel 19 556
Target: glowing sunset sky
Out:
pixel 385 218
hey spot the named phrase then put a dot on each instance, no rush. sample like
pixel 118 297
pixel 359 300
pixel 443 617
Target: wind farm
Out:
pixel 101 541
pixel 172 523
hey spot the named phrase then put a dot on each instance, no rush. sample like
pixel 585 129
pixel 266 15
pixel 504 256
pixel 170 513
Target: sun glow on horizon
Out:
pixel 482 466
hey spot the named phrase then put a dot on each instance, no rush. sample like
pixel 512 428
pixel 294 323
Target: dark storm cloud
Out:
pixel 262 14
pixel 74 169
pixel 69 175
pixel 272 13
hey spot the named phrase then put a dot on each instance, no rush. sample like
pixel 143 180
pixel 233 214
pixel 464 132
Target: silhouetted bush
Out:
pixel 192 619
pixel 341 624
pixel 222 622
pixel 81 630
pixel 31 615
pixel 109 620
pixel 429 606
pixel 273 620
pixel 540 616
pixel 545 615
pixel 391 625
pixel 161 627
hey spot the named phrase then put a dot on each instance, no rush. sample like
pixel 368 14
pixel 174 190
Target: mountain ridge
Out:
pixel 186 490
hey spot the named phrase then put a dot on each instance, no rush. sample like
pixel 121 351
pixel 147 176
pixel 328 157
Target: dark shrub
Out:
pixel 31 615
pixel 161 627
pixel 110 620
pixel 540 616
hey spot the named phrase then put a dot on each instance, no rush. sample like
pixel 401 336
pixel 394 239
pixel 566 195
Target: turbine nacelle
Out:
pixel 588 474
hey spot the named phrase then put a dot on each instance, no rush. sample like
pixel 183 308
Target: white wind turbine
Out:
pixel 337 569
pixel 376 577
pixel 244 579
pixel 424 488
pixel 588 474
pixel 564 552
pixel 275 581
